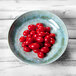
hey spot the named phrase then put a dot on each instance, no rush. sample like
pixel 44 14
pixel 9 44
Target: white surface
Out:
pixel 12 66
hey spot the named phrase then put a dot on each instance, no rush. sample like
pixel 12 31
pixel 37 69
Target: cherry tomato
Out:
pixel 32 27
pixel 37 31
pixel 41 28
pixel 45 49
pixel 47 44
pixel 29 46
pixel 26 49
pixel 41 34
pixel 27 42
pixel 46 33
pixel 34 37
pixel 39 24
pixel 47 29
pixel 32 32
pixel 23 44
pixel 29 35
pixel 26 32
pixel 47 38
pixel 40 55
pixel 52 40
pixel 29 39
pixel 52 35
pixel 22 39
pixel 36 50
pixel 34 46
pixel 39 39
pixel 41 44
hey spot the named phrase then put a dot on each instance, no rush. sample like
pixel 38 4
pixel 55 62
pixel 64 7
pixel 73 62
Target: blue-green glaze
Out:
pixel 48 19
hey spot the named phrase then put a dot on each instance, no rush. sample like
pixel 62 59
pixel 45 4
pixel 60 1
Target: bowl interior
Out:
pixel 33 17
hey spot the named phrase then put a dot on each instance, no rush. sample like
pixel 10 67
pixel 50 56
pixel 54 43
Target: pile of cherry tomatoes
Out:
pixel 37 38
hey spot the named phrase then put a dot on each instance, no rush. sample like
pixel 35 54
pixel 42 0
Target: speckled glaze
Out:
pixel 33 17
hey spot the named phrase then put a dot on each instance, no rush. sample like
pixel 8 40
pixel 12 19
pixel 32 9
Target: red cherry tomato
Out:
pixel 45 49
pixel 47 29
pixel 51 38
pixel 40 55
pixel 39 39
pixel 26 32
pixel 35 35
pixel 47 44
pixel 23 44
pixel 29 46
pixel 52 35
pixel 22 39
pixel 41 44
pixel 27 42
pixel 36 50
pixel 32 27
pixel 29 39
pixel 52 41
pixel 46 33
pixel 32 32
pixel 37 31
pixel 34 46
pixel 41 28
pixel 26 49
pixel 39 24
pixel 29 35
pixel 47 38
pixel 41 34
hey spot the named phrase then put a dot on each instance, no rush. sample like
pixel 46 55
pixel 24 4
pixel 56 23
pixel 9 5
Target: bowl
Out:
pixel 33 17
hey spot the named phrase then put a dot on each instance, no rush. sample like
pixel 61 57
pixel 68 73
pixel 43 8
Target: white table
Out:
pixel 12 66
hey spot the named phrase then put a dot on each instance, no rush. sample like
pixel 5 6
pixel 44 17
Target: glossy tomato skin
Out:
pixel 39 39
pixel 32 32
pixel 37 31
pixel 52 41
pixel 28 42
pixel 47 38
pixel 41 55
pixel 41 44
pixel 22 39
pixel 47 29
pixel 35 35
pixel 41 34
pixel 34 46
pixel 52 35
pixel 47 44
pixel 26 32
pixel 39 24
pixel 45 49
pixel 46 33
pixel 29 35
pixel 23 44
pixel 41 28
pixel 27 49
pixel 29 39
pixel 32 27
pixel 36 50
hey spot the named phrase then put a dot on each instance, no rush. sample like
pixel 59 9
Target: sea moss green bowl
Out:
pixel 33 17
